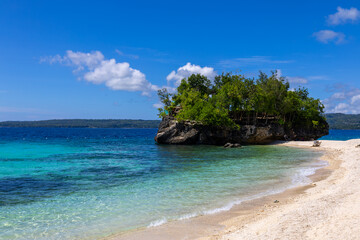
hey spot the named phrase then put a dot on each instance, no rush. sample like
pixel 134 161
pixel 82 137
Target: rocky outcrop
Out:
pixel 189 132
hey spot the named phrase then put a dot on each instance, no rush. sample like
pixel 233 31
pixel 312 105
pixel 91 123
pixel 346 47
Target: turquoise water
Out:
pixel 90 183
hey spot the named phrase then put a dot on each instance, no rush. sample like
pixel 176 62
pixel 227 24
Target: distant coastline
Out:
pixel 337 121
pixel 84 123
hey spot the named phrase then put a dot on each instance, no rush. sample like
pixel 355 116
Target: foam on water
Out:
pixel 300 178
pixel 157 223
pixel 188 216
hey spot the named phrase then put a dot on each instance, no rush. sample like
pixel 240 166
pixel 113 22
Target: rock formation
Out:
pixel 173 132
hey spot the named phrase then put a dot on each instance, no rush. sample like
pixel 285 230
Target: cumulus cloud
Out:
pixel 189 69
pixel 355 99
pixel 327 36
pixel 81 60
pixel 341 108
pixel 343 16
pixel 96 69
pixel 119 76
pixel 345 101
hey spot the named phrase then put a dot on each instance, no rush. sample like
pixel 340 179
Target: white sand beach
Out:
pixel 330 210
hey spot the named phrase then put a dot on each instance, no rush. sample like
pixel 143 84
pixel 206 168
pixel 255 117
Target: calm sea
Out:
pixel 342 135
pixel 90 183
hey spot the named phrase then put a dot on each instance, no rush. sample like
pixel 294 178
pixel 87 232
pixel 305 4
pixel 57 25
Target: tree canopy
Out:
pixel 231 100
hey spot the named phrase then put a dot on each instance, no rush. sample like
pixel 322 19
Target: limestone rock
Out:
pixel 189 132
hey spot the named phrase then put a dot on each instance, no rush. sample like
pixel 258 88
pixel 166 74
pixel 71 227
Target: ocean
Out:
pixel 342 135
pixel 89 183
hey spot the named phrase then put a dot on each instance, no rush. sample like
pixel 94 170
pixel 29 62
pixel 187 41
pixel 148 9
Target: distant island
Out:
pixel 236 109
pixel 84 123
pixel 335 120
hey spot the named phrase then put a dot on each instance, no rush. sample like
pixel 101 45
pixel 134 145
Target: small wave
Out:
pixel 302 175
pixel 188 216
pixel 224 208
pixel 157 222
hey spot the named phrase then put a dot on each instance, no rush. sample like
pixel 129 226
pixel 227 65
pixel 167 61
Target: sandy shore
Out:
pixel 331 210
pixel 327 209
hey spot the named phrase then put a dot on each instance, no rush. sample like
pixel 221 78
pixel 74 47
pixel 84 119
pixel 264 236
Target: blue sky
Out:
pixel 92 59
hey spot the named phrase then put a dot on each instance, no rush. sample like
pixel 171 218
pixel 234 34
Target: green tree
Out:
pixel 232 98
pixel 165 99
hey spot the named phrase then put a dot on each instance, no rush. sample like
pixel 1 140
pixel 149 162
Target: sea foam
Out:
pixel 157 222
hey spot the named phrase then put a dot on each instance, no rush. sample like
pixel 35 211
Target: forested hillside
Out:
pixel 343 121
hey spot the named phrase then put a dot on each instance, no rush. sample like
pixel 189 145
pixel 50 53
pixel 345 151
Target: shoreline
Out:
pixel 224 224
pixel 329 209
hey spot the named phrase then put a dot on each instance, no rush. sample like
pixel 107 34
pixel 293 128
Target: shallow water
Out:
pixel 89 183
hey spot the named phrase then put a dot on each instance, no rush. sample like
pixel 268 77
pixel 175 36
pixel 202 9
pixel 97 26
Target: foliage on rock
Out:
pixel 232 99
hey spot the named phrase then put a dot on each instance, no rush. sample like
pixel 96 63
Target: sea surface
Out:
pixel 342 135
pixel 90 183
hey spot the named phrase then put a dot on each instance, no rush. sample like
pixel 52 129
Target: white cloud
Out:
pixel 338 95
pixel 345 101
pixel 157 105
pixel 326 36
pixel 52 59
pixel 297 80
pixel 355 99
pixel 80 59
pixel 189 69
pixel 343 16
pixel 342 108
pixel 169 89
pixel 278 73
pixel 119 76
pixel 96 69
pixel 294 80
